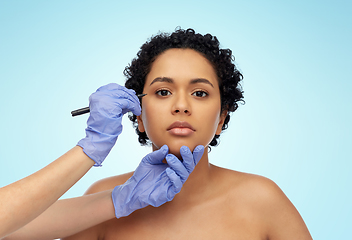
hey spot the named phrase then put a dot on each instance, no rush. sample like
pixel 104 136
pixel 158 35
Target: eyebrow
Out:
pixel 162 79
pixel 170 80
pixel 201 80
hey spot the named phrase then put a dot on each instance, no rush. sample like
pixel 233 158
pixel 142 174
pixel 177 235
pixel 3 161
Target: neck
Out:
pixel 197 182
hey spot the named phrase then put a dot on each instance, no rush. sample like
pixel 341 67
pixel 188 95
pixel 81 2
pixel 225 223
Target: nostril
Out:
pixel 178 111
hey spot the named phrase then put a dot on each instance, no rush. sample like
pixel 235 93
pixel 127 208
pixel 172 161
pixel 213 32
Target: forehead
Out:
pixel 182 64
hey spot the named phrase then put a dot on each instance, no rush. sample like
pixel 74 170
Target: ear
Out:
pixel 140 124
pixel 221 122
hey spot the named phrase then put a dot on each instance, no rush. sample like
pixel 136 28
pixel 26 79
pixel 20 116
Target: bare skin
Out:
pixel 24 200
pixel 68 216
pixel 214 203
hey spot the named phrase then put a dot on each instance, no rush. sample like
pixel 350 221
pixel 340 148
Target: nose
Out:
pixel 181 105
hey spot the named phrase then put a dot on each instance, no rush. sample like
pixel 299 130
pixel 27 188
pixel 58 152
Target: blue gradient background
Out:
pixel 295 127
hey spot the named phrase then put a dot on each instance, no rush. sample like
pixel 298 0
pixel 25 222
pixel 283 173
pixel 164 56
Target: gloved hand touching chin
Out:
pixel 107 106
pixel 154 182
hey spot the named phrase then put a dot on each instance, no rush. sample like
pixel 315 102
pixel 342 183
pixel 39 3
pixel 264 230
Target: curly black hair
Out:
pixel 229 76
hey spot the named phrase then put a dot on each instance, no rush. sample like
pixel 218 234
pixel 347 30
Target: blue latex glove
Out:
pixel 107 106
pixel 154 182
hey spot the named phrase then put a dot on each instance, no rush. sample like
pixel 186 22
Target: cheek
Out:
pixel 151 116
pixel 210 119
pixel 212 123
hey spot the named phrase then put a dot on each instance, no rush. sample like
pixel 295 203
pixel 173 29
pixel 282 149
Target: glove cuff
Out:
pixel 99 149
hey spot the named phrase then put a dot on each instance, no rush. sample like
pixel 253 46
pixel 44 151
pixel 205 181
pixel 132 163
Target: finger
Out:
pixel 198 153
pixel 113 93
pixel 187 158
pixel 176 165
pixel 126 104
pixel 113 87
pixel 131 93
pixel 190 160
pixel 118 91
pixel 157 156
pixel 124 92
pixel 176 182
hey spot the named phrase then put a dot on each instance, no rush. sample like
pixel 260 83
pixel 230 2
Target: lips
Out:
pixel 181 128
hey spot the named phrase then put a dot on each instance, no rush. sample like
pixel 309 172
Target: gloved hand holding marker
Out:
pixel 107 107
pixel 86 109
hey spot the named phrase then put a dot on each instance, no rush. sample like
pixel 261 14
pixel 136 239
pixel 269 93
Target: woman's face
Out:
pixel 182 106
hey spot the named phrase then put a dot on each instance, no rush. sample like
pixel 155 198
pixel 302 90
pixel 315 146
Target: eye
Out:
pixel 163 92
pixel 200 94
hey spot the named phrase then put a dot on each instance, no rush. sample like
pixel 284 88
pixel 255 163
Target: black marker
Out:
pixel 86 109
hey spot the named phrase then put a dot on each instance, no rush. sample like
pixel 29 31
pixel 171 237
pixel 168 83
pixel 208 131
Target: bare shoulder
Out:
pixel 254 184
pixel 259 187
pixel 108 183
pixel 262 199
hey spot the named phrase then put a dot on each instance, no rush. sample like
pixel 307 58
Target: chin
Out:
pixel 174 147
